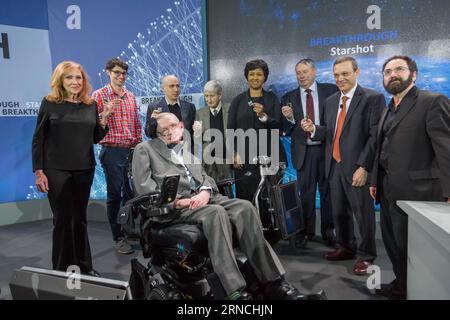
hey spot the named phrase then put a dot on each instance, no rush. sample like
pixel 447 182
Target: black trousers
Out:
pixel 347 201
pixel 68 196
pixel 247 181
pixel 394 230
pixel 311 175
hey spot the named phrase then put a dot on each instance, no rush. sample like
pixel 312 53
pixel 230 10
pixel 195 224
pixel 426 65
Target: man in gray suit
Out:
pixel 209 127
pixel 198 201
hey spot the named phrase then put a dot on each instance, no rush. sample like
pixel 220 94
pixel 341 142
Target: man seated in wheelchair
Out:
pixel 198 201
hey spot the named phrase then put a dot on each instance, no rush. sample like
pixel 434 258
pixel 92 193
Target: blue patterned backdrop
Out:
pixel 155 38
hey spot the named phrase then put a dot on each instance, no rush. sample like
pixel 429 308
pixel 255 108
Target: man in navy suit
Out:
pixel 308 157
pixel 350 133
pixel 171 102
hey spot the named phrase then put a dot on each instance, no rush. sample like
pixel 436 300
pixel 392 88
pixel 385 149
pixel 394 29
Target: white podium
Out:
pixel 428 249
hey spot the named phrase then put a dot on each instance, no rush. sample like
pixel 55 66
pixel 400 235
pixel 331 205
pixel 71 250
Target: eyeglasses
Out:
pixel 118 73
pixel 397 70
pixel 166 132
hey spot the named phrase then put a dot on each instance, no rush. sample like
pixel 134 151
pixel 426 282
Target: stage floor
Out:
pixel 29 244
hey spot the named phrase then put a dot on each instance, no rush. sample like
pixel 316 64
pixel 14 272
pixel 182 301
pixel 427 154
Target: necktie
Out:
pixel 191 180
pixel 309 105
pixel 214 112
pixel 178 150
pixel 175 109
pixel 340 123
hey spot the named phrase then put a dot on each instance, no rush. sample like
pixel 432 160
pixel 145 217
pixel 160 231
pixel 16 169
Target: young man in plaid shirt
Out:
pixel 124 133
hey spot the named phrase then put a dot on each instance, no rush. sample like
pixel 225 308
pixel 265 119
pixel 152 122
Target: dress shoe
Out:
pixel 339 254
pixel 360 267
pixel 93 273
pixel 244 295
pixel 317 296
pixel 397 294
pixel 282 290
pixel 301 241
pixel 385 289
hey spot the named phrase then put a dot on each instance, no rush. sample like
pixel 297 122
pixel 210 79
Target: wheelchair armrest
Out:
pixel 138 205
pixel 157 211
pixel 151 198
pixel 148 206
pixel 225 182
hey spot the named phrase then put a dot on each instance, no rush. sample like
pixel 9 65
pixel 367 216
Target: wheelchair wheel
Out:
pixel 163 292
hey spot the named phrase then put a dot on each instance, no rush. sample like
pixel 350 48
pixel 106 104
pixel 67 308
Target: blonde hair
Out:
pixel 58 93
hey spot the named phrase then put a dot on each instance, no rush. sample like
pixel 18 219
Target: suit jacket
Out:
pixel 298 136
pixel 187 114
pixel 358 136
pixel 418 149
pixel 152 161
pixel 203 115
pixel 241 116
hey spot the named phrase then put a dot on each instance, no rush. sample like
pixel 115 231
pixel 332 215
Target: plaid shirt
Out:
pixel 124 124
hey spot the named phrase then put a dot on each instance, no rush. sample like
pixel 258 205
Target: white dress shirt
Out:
pixel 349 96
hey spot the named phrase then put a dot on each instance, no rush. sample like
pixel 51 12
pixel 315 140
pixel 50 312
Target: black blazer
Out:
pixel 187 114
pixel 358 137
pixel 298 136
pixel 242 116
pixel 64 136
pixel 418 149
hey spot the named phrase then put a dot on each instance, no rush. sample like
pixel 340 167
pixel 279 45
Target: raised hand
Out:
pixel 197 128
pixel 258 108
pixel 287 112
pixel 307 125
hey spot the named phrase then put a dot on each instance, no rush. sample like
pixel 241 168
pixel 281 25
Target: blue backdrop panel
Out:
pixel 24 78
pixel 155 38
pixel 24 13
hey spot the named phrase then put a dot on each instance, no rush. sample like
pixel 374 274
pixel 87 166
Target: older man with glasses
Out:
pixel 210 125
pixel 351 118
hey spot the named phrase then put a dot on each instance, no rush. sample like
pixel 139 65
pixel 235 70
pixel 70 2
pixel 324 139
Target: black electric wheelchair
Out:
pixel 179 266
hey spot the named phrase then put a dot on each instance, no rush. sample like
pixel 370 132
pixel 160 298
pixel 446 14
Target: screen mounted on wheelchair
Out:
pixel 169 188
pixel 288 209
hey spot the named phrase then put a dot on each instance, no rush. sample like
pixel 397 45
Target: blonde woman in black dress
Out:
pixel 63 161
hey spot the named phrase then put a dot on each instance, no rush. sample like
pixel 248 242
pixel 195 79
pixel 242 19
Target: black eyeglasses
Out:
pixel 118 73
pixel 165 132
